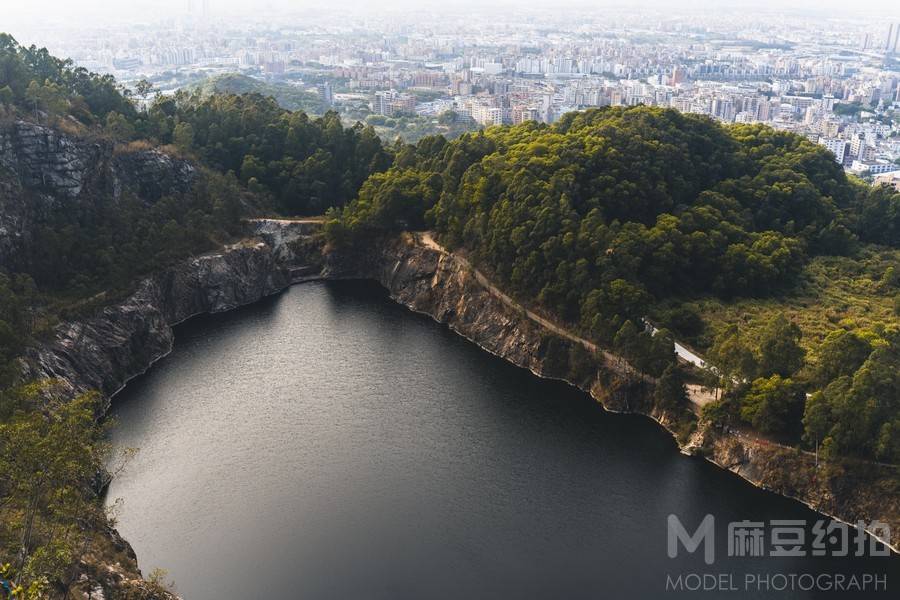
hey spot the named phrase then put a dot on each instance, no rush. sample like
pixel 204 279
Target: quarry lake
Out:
pixel 327 443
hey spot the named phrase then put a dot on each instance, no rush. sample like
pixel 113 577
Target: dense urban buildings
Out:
pixel 834 81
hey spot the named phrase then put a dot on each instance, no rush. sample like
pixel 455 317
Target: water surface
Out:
pixel 329 444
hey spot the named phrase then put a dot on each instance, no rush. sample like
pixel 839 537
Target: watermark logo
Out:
pixel 777 538
pixel 705 534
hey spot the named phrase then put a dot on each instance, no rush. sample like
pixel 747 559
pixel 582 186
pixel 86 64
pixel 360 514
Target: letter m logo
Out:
pixel 705 534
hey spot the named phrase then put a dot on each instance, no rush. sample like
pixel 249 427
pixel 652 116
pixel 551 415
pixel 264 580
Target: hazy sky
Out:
pixel 114 10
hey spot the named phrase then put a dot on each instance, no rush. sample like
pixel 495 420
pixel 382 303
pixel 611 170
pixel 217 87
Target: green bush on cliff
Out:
pixel 50 453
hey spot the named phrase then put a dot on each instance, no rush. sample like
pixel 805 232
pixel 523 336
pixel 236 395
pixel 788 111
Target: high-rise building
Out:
pixel 838 147
pixel 325 93
pixel 391 102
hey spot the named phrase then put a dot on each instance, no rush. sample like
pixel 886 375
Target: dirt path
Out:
pixel 699 396
pixel 617 362
pixel 306 220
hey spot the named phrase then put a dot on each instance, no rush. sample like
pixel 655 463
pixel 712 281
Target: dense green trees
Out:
pixel 599 214
pixel 105 244
pixel 599 217
pixel 670 393
pixel 879 216
pixel 306 164
pixel 779 348
pixel 773 405
pixel 50 454
pixel 857 412
pixel 840 354
pixel 34 79
pixel 845 399
pixel 17 299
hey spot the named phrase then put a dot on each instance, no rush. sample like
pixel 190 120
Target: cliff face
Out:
pixel 447 289
pixel 42 166
pixel 122 340
pixel 442 286
pixel 58 165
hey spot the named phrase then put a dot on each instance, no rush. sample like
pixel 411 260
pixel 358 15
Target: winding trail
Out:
pixel 698 395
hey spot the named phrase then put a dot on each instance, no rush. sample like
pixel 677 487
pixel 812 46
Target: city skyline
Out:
pixel 415 73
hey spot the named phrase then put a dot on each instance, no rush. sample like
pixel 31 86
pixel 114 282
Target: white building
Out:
pixel 837 146
pixel 874 168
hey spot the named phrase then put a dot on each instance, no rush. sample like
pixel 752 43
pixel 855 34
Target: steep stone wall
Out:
pixel 102 352
pixel 444 287
pixel 42 167
pixel 121 340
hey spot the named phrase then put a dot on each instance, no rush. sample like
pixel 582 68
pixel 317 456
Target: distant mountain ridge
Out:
pixel 289 97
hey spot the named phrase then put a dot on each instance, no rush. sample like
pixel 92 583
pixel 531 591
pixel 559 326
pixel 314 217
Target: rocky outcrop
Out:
pixel 121 340
pixel 103 351
pixel 441 286
pixel 150 174
pixel 43 158
pixel 294 243
pixel 66 167
pixel 852 491
pixel 41 168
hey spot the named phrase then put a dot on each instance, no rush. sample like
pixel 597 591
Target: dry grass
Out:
pixel 173 151
pixel 132 147
pixel 69 125
pixel 832 292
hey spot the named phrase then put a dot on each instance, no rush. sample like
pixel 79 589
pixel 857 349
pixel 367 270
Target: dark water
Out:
pixel 329 444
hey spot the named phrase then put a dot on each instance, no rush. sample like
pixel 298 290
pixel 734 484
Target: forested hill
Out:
pixel 607 215
pixel 658 201
pixel 288 96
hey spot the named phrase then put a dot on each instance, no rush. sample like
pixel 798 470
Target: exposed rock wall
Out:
pixel 44 158
pixel 442 286
pixel 68 167
pixel 120 341
pixel 42 167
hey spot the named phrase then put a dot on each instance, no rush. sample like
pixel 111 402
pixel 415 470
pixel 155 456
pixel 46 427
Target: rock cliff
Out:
pixel 103 351
pixel 42 166
pixel 446 288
